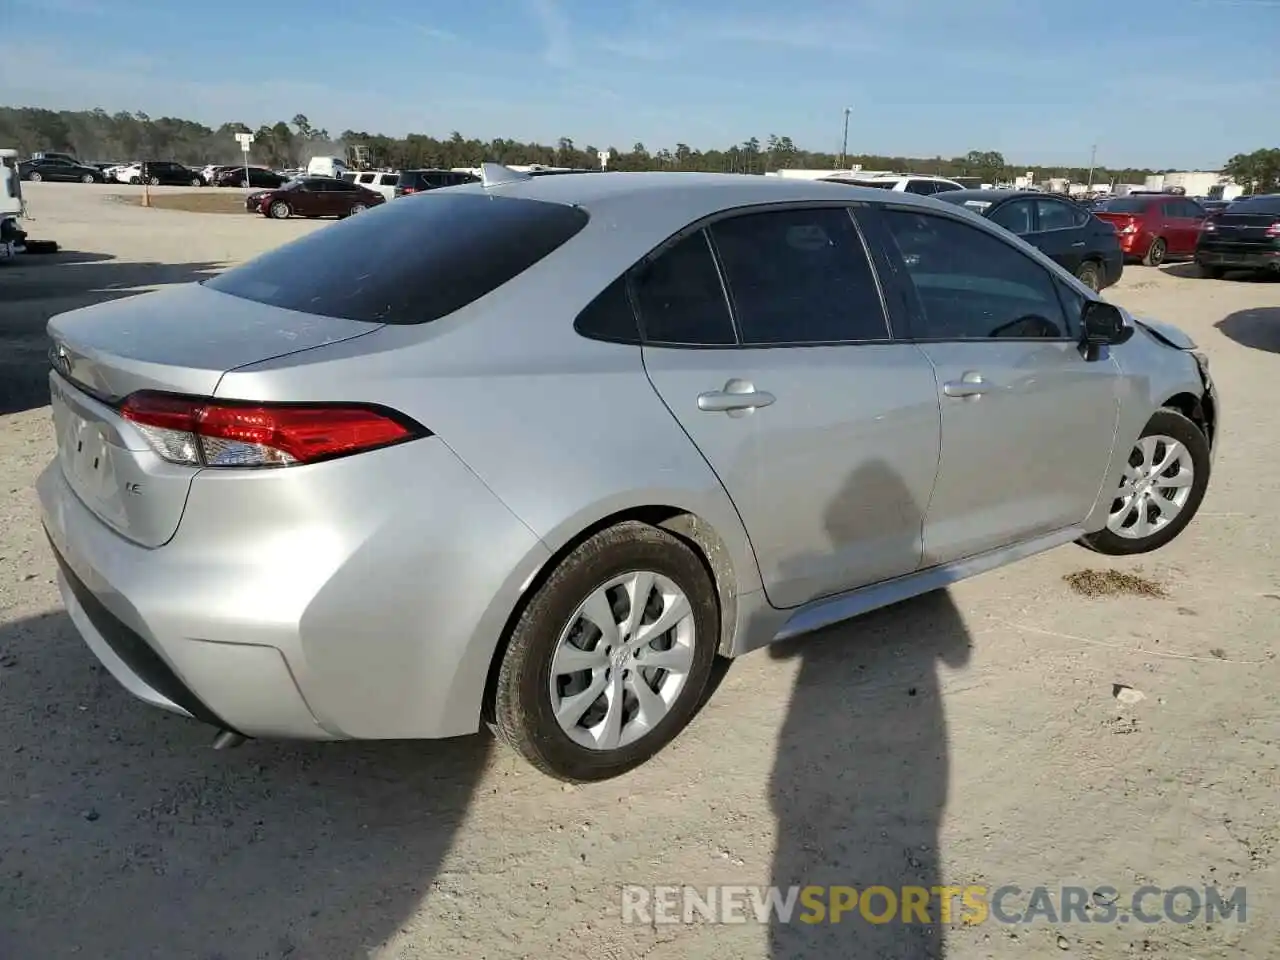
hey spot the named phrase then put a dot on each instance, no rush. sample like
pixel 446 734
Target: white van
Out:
pixel 326 167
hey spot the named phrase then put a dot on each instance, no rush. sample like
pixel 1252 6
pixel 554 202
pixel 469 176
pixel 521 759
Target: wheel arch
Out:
pixel 681 522
pixel 1199 409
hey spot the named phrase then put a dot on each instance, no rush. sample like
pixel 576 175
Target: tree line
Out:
pixel 96 135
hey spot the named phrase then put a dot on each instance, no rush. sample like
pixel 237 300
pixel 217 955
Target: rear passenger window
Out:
pixel 799 276
pixel 680 299
pixel 922 187
pixel 609 316
pixel 1055 215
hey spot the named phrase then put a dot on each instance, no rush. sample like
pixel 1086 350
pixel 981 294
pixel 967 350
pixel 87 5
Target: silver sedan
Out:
pixel 532 453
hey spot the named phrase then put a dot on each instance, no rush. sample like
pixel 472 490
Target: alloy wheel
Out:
pixel 1155 487
pixel 622 661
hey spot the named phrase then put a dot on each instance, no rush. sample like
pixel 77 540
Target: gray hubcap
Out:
pixel 279 210
pixel 1154 489
pixel 622 661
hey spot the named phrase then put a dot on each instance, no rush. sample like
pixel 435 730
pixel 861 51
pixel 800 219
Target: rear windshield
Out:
pixel 1264 204
pixel 1125 205
pixel 408 262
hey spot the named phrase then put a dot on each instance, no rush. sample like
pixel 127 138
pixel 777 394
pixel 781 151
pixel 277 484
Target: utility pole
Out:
pixel 844 142
pixel 1093 155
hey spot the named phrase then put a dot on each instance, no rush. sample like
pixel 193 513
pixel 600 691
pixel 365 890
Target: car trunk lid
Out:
pixel 1245 227
pixel 179 340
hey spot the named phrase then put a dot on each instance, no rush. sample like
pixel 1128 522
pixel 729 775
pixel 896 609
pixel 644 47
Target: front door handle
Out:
pixel 970 385
pixel 1078 243
pixel 738 397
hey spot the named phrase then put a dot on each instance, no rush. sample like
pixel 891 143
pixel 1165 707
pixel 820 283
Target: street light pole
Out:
pixel 844 142
pixel 1093 155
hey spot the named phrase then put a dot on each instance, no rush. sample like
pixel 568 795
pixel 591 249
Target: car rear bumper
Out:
pixel 321 607
pixel 1262 258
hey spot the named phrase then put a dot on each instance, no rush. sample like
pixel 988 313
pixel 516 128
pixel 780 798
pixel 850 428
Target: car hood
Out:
pixel 1166 332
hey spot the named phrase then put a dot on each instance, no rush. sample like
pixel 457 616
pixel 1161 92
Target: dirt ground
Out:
pixel 989 734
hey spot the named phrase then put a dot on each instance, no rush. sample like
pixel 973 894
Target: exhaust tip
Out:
pixel 228 740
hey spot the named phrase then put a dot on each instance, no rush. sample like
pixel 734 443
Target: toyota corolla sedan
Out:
pixel 532 453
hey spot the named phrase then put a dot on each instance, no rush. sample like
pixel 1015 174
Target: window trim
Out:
pixel 703 225
pixel 912 308
pixel 1035 214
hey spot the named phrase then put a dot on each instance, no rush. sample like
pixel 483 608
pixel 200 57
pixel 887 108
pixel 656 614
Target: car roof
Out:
pixel 689 196
pixel 994 196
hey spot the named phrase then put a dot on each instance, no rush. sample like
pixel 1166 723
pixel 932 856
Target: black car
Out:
pixel 167 173
pixel 1244 236
pixel 259 177
pixel 416 181
pixel 58 168
pixel 1061 229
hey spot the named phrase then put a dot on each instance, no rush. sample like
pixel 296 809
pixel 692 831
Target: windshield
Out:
pixel 1124 205
pixel 411 261
pixel 1268 203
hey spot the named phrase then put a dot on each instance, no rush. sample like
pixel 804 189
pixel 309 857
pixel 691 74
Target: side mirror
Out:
pixel 1104 326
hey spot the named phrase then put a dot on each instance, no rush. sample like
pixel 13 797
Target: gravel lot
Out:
pixel 969 736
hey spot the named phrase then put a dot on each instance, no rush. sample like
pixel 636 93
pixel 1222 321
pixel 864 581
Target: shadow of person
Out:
pixel 860 778
pixel 1257 327
pixel 124 836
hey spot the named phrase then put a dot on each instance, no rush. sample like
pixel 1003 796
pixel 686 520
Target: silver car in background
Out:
pixel 533 452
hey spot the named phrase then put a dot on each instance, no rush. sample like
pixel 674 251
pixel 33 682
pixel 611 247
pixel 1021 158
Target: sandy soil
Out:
pixel 972 736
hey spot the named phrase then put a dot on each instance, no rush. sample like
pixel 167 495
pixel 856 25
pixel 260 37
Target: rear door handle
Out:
pixel 970 385
pixel 738 396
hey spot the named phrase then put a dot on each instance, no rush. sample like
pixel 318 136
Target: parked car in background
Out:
pixel 163 173
pixel 416 181
pixel 55 155
pixel 1063 230
pixel 1154 226
pixel 909 183
pixel 250 177
pixel 313 197
pixel 1244 236
pixel 1214 207
pixel 56 168
pixel 366 510
pixel 379 181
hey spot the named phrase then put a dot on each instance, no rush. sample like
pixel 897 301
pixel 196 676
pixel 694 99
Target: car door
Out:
pixel 823 430
pixel 1027 422
pixel 56 169
pixel 1059 232
pixel 1193 217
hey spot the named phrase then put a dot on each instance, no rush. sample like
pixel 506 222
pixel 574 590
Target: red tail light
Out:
pixel 212 433
pixel 1274 230
pixel 408 190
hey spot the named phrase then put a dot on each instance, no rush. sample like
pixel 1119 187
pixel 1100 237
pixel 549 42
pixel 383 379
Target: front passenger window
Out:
pixel 971 285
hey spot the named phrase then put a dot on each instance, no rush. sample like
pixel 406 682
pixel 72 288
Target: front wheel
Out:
pixel 135 180
pixel 87 178
pixel 1161 488
pixel 1090 275
pixel 280 210
pixel 154 181
pixel 1156 252
pixel 35 176
pixel 197 182
pixel 610 659
pixel 357 208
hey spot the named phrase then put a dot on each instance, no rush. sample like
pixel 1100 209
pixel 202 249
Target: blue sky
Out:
pixel 1183 83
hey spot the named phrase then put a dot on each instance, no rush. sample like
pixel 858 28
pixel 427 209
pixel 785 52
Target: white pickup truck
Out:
pixel 12 236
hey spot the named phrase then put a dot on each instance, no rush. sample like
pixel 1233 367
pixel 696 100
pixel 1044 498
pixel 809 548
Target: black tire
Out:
pixel 1156 252
pixel 135 180
pixel 522 708
pixel 154 181
pixel 1168 423
pixel 279 210
pixel 35 176
pixel 1090 274
pixel 1208 272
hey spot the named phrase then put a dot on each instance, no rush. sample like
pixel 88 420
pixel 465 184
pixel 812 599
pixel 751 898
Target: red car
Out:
pixel 313 197
pixel 1154 227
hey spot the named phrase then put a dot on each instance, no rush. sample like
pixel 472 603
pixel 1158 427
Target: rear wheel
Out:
pixel 135 180
pixel 154 181
pixel 357 208
pixel 1209 272
pixel 1160 490
pixel 1156 252
pixel 610 659
pixel 197 182
pixel 280 210
pixel 34 176
pixel 87 178
pixel 1090 275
